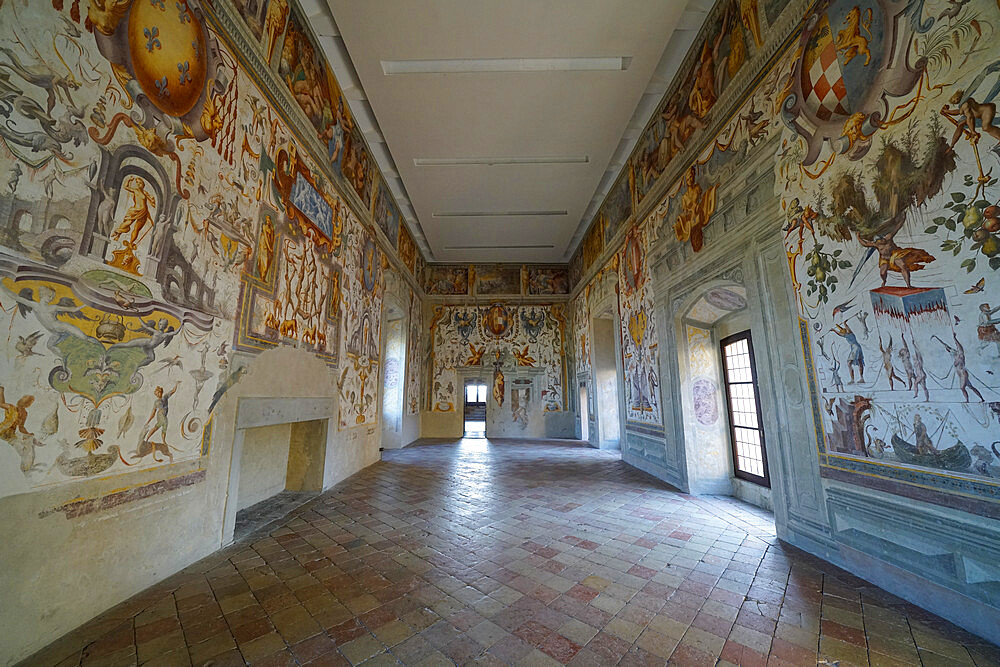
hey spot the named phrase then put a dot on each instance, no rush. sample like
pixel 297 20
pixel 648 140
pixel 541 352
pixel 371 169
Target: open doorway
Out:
pixel 607 380
pixel 394 357
pixel 584 413
pixel 475 409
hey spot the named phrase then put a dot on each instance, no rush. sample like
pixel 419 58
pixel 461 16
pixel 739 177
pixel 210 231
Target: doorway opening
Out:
pixel 584 413
pixel 607 380
pixel 743 401
pixel 475 409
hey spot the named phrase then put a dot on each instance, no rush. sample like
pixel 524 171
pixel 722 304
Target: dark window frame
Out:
pixel 764 481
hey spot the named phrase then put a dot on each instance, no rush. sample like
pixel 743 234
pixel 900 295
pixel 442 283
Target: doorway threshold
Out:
pixel 256 518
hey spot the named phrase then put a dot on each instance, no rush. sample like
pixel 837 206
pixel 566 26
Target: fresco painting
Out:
pixel 616 209
pixel 363 290
pixel 159 223
pixel 640 347
pixel 408 251
pixel 545 281
pixel 447 280
pixel 386 214
pixel 733 37
pixel 498 279
pixel 892 233
pixel 498 337
pixel 415 356
pixel 255 13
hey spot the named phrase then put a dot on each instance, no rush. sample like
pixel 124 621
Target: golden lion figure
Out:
pixel 850 40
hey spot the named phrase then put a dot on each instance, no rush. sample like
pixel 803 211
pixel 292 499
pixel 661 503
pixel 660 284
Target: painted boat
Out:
pixel 955 458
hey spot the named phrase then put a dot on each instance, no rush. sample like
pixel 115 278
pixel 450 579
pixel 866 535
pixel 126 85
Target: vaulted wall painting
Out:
pixel 494 338
pixel 639 342
pixel 157 216
pixel 893 235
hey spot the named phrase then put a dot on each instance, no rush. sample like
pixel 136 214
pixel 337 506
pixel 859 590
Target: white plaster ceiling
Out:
pixel 598 114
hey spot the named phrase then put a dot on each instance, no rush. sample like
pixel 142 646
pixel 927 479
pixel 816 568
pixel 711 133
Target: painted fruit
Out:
pixel 167 44
pixel 991 246
pixel 972 218
pixel 992 225
pixel 980 235
pixel 992 211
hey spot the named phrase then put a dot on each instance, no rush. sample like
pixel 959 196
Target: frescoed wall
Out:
pixel 170 214
pixel 496 280
pixel 893 239
pixel 498 339
pixel 874 121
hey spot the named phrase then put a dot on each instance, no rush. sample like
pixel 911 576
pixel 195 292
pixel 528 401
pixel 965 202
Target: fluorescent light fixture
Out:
pixel 497 247
pixel 491 161
pixel 473 65
pixel 494 214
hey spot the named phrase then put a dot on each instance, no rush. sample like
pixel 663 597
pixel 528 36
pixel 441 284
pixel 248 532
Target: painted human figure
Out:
pixel 893 258
pixel 48 312
pixel 161 407
pixel 987 329
pixel 703 93
pixel 961 372
pixel 856 356
pixel 904 357
pixel 838 382
pixel 139 215
pixel 890 370
pixel 265 248
pixel 966 114
pixel 919 374
pixel 697 207
pixel 920 437
pixel 13 416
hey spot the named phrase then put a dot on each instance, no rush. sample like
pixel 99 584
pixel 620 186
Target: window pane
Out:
pixel 744 407
pixel 482 393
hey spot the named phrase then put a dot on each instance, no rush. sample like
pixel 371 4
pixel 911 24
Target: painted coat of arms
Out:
pixel 854 58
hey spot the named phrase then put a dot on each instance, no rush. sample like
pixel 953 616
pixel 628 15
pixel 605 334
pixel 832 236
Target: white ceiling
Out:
pixel 598 114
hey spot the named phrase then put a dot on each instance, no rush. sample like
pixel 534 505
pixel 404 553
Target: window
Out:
pixel 475 393
pixel 745 430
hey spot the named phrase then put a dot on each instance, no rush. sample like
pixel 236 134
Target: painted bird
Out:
pixel 843 308
pixel 977 288
pixel 175 362
pixel 226 385
pixel 125 423
pixel 25 345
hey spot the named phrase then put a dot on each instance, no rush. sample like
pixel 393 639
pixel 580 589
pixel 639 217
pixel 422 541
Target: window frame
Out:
pixel 764 480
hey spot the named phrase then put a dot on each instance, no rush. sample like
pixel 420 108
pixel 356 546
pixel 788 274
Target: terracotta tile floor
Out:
pixel 527 554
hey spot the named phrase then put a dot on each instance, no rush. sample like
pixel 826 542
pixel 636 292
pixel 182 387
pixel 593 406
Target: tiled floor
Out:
pixel 263 514
pixel 516 554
